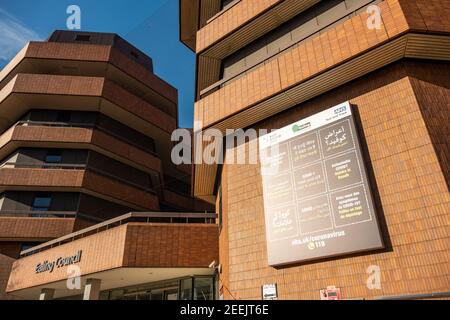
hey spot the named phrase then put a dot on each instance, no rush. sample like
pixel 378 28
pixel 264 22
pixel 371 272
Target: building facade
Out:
pixel 270 64
pixel 86 139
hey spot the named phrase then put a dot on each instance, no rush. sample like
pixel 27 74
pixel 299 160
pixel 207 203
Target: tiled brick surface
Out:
pixel 10 248
pixel 432 89
pixel 101 251
pixel 420 14
pixel 77 86
pixel 402 110
pixel 233 18
pixel 311 57
pixel 34 228
pixel 94 53
pixel 5 268
pixel 89 137
pixel 171 245
pixel 87 180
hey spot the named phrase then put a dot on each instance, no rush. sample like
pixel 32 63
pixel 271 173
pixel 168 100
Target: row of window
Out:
pixel 192 288
pixel 41 203
pixel 316 19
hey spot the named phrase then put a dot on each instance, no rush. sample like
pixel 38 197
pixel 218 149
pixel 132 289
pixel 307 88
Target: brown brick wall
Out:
pixel 93 138
pixel 432 14
pixel 89 87
pixel 5 268
pixel 93 182
pixel 239 14
pixel 308 59
pixel 432 88
pixel 10 249
pixel 94 53
pixel 34 228
pixel 100 252
pixel 171 245
pixel 410 190
pixel 224 241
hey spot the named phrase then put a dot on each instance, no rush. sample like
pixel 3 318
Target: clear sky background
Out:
pixel 150 25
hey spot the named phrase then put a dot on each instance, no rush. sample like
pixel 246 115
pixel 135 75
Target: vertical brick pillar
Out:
pixel 92 289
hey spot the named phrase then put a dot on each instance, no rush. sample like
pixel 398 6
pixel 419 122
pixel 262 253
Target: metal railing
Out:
pixel 136 217
pixel 68 166
pixel 31 165
pixel 37 214
pixel 223 10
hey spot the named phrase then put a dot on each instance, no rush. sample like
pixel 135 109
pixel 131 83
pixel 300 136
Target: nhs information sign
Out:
pixel 317 197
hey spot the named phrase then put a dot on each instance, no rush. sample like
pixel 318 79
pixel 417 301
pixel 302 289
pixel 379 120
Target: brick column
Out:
pixel 47 294
pixel 92 289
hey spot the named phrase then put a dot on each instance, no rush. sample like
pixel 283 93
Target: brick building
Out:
pixel 268 64
pixel 85 140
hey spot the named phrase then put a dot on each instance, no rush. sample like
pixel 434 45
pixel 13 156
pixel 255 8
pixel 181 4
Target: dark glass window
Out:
pixel 83 37
pixel 227 3
pixel 63 116
pixel 28 245
pixel 186 289
pixel 53 156
pixel 42 202
pixel 134 54
pixel 204 288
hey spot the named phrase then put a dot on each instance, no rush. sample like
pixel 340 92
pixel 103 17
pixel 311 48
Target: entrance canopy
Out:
pixel 133 249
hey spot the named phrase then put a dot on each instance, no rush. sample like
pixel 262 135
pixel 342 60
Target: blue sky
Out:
pixel 150 25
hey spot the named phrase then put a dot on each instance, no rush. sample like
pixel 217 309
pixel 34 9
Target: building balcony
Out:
pixel 26 91
pixel 94 60
pixel 78 136
pixel 76 178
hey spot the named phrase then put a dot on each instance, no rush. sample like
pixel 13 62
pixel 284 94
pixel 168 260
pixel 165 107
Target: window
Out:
pixel 203 288
pixel 228 3
pixel 83 37
pixel 2 200
pixel 310 22
pixel 134 54
pixel 186 289
pixel 53 156
pixel 63 116
pixel 42 203
pixel 28 245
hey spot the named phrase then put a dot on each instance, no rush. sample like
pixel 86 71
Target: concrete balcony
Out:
pixel 25 91
pixel 20 226
pixel 78 136
pixel 77 178
pixel 96 61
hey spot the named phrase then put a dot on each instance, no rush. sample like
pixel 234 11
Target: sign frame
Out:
pixel 351 188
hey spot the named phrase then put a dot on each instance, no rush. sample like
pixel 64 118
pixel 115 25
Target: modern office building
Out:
pixel 360 205
pixel 86 172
